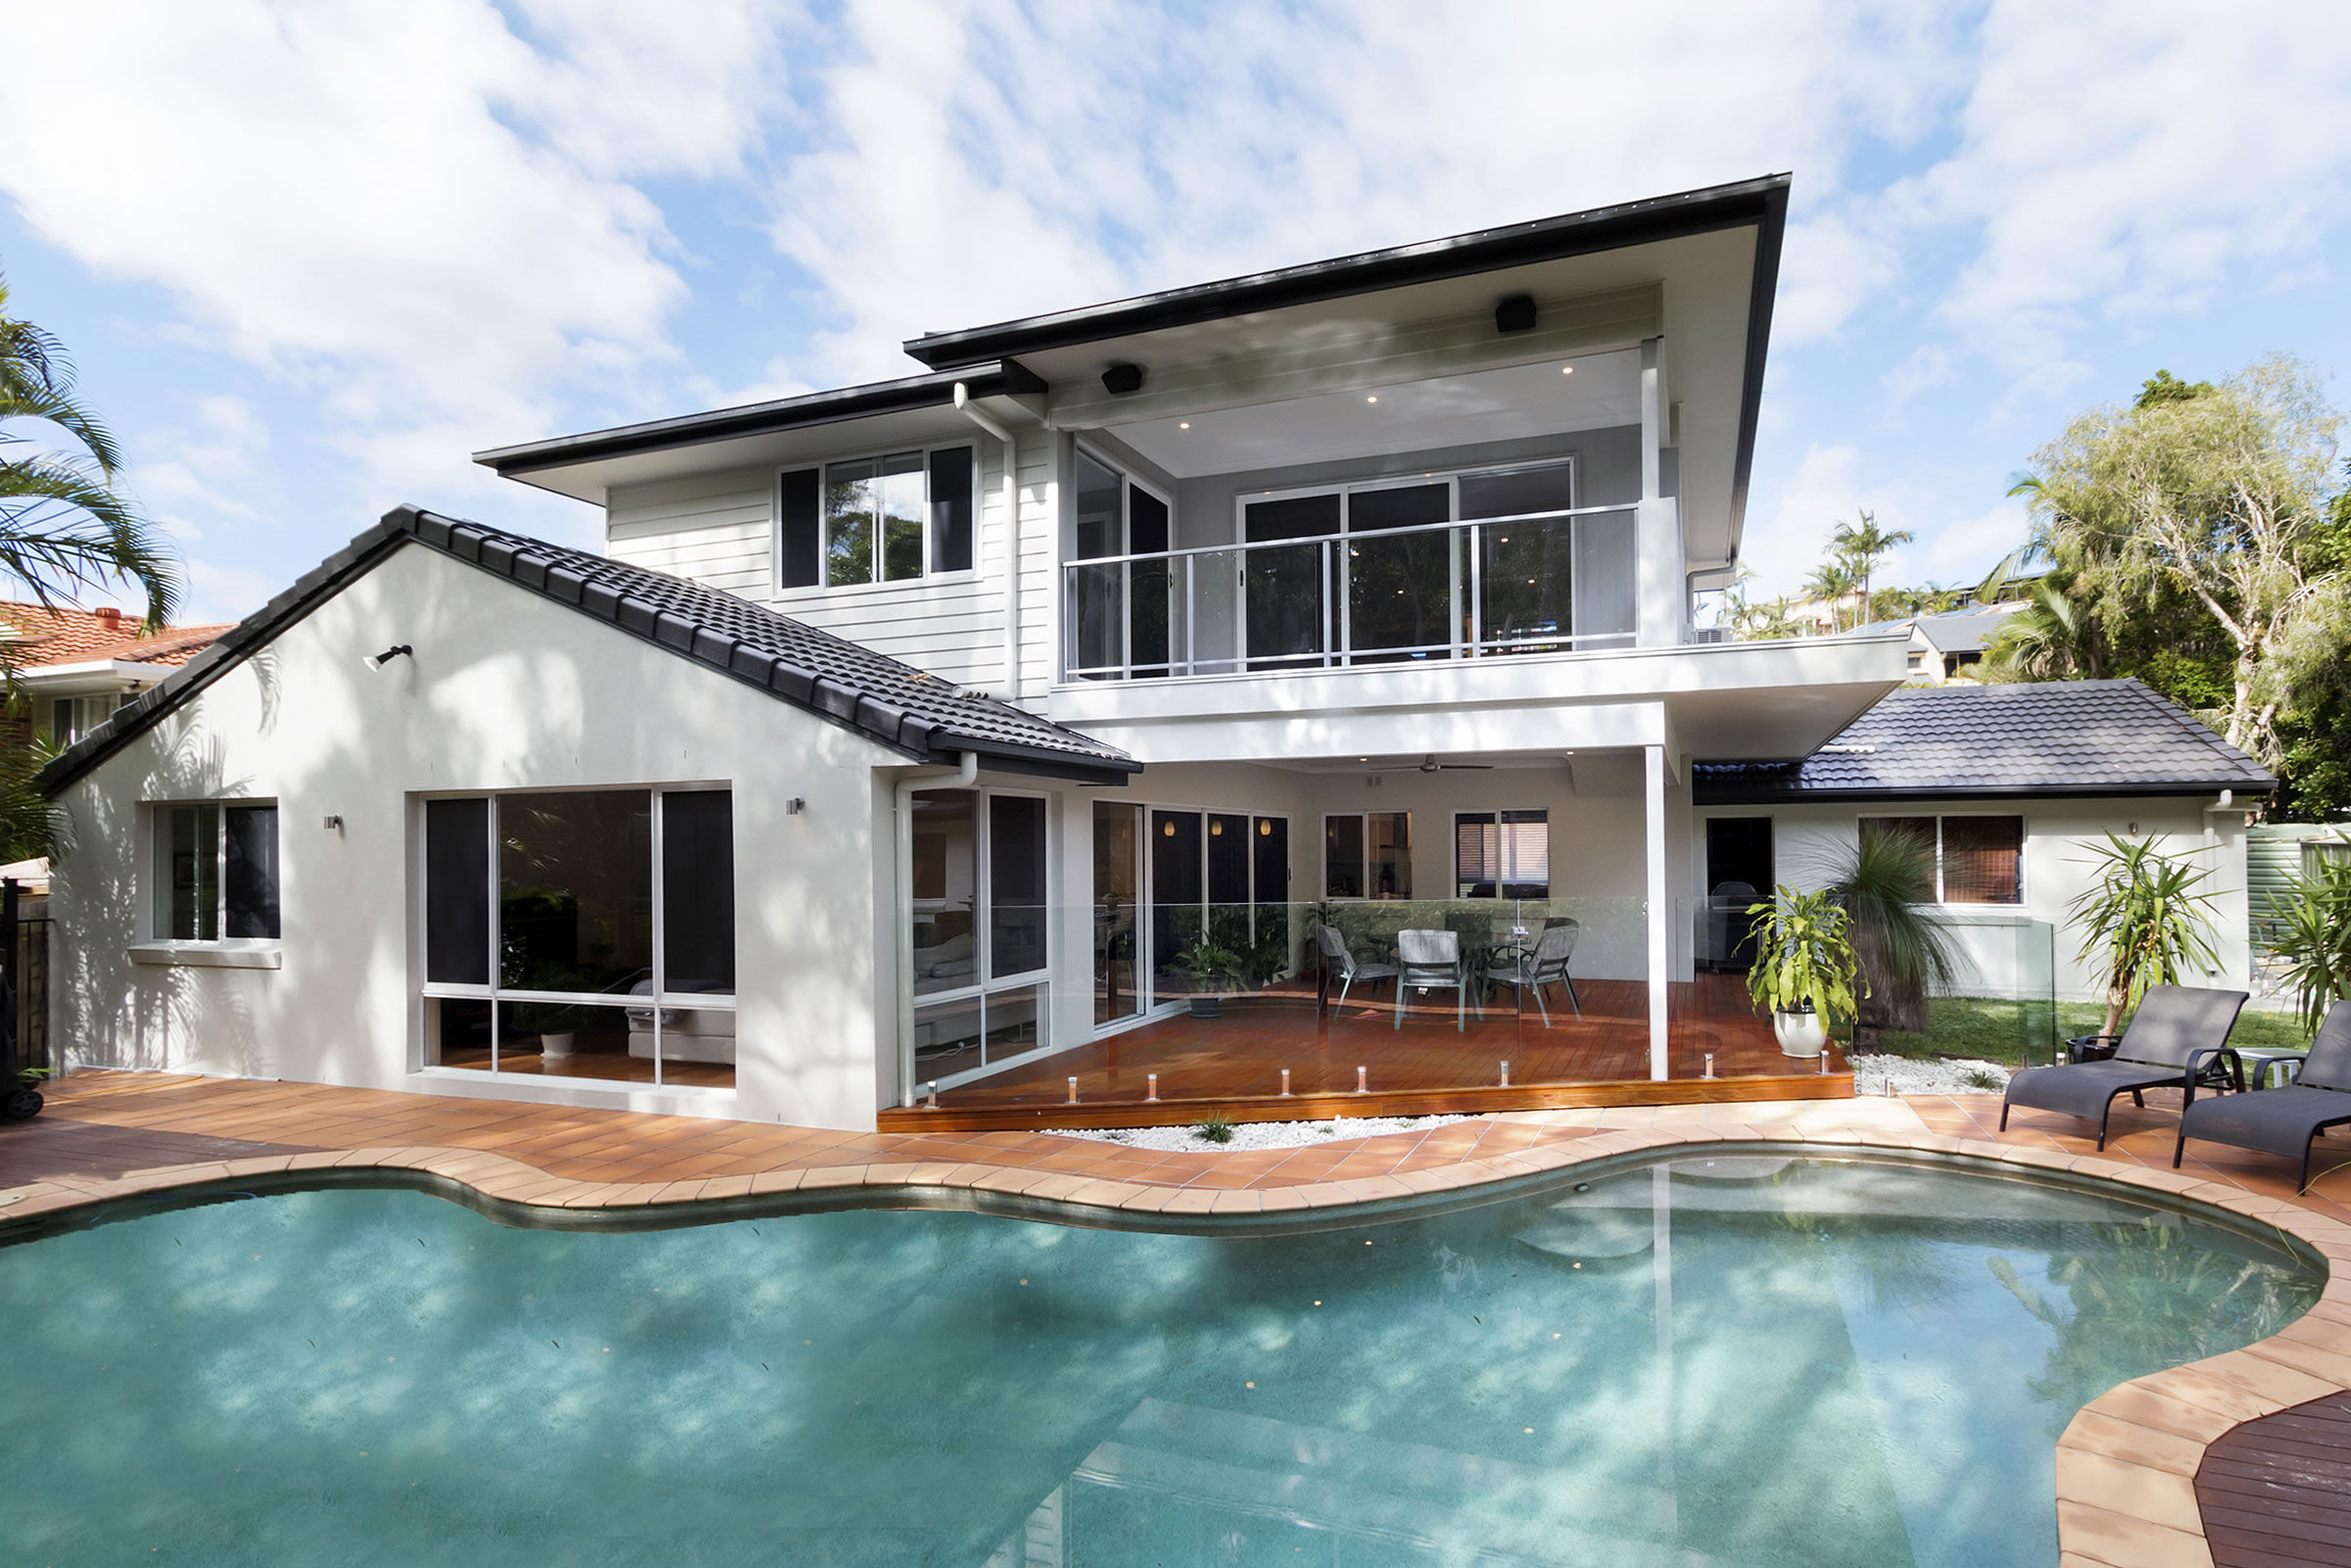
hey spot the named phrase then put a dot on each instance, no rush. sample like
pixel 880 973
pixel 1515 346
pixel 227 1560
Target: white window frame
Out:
pixel 1495 816
pixel 820 588
pixel 494 993
pixel 1129 481
pixel 1364 859
pixel 984 981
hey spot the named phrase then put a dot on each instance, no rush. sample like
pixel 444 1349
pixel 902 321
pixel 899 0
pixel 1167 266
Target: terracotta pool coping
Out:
pixel 2126 1465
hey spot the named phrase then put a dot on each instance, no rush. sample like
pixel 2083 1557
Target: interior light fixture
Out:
pixel 1168 829
pixel 1265 827
pixel 376 661
pixel 1216 830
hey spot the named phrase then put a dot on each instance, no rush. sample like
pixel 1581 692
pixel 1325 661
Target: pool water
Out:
pixel 1727 1361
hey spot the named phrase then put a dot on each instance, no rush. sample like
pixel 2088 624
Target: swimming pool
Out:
pixel 1723 1358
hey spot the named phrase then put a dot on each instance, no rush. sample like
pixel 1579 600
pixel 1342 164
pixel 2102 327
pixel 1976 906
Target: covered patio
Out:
pixel 1181 1070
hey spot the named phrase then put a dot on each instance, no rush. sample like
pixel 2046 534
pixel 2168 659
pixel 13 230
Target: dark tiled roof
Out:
pixel 892 703
pixel 2060 737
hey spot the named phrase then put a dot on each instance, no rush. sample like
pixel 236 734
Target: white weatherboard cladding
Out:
pixel 719 529
pixel 505 690
pixel 1808 839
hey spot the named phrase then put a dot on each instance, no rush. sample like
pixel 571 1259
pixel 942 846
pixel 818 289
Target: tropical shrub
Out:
pixel 2312 935
pixel 1886 886
pixel 2145 921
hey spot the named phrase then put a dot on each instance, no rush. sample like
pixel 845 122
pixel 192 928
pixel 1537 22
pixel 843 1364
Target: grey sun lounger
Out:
pixel 2284 1121
pixel 2178 1039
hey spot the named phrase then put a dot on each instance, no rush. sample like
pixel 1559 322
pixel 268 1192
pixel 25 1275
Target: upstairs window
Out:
pixel 215 871
pixel 72 718
pixel 891 519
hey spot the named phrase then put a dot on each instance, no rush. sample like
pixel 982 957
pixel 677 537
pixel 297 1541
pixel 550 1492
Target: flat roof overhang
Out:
pixel 911 409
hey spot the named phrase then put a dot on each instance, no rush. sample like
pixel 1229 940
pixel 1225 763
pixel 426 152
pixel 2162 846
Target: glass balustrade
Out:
pixel 1549 582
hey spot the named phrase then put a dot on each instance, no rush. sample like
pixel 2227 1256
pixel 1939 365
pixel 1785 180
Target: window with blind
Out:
pixel 1978 860
pixel 1502 854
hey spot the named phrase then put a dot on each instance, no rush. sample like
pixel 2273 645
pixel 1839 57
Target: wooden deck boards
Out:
pixel 1232 1066
pixel 2278 1491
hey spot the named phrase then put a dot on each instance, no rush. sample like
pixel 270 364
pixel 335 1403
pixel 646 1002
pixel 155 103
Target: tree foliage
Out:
pixel 63 524
pixel 2202 506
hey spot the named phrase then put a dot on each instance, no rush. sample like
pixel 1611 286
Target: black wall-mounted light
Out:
pixel 1515 313
pixel 1122 378
pixel 376 661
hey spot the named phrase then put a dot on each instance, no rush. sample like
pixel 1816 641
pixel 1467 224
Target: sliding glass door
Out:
pixel 980 927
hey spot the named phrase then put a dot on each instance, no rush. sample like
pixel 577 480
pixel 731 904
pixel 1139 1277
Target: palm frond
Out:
pixel 59 526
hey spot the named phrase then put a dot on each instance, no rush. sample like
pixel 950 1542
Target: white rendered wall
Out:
pixel 505 690
pixel 1807 839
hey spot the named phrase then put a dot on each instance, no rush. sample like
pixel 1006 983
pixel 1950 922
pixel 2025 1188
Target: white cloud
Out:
pixel 407 212
pixel 2129 160
pixel 980 161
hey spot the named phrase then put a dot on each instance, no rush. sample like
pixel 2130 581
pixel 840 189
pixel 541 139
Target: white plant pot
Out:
pixel 1801 1035
pixel 555 1044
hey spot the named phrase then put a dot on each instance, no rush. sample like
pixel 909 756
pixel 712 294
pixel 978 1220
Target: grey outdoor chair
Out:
pixel 1337 960
pixel 2284 1121
pixel 1544 967
pixel 1431 961
pixel 2178 1039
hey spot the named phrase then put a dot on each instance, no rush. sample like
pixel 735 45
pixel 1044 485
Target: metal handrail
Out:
pixel 1303 540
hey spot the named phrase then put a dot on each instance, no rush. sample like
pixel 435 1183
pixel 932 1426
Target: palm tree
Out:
pixel 63 525
pixel 1832 583
pixel 2054 637
pixel 1862 547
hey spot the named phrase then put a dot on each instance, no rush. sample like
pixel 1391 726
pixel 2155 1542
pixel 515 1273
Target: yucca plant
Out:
pixel 1804 958
pixel 2145 921
pixel 1886 886
pixel 2312 937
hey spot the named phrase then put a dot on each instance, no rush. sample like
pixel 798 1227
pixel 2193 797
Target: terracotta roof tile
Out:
pixel 33 637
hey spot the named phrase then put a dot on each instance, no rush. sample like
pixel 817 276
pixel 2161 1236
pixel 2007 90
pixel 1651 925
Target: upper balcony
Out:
pixel 1366 577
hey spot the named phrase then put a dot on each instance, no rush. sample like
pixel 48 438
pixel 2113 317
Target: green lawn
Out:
pixel 2020 1032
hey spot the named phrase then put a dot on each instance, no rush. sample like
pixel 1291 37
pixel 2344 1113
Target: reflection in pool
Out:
pixel 1725 1361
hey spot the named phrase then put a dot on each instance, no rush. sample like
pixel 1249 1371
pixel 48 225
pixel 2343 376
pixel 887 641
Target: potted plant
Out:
pixel 2144 922
pixel 1213 970
pixel 1806 970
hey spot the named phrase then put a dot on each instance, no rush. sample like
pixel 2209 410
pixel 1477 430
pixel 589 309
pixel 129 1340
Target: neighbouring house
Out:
pixel 1946 646
pixel 948 731
pixel 70 668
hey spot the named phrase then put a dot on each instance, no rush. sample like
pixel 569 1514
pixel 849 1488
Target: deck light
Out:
pixel 376 661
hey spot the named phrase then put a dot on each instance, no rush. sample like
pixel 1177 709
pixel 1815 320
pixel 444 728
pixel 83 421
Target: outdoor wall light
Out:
pixel 376 661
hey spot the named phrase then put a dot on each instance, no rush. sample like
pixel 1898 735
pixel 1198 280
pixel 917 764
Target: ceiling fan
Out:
pixel 1430 763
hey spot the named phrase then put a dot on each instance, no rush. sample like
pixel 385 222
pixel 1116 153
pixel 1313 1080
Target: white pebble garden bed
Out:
pixel 1259 1134
pixel 1951 1076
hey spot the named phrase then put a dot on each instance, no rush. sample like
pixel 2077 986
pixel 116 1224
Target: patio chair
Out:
pixel 2284 1121
pixel 1431 961
pixel 2178 1039
pixel 1337 960
pixel 1544 967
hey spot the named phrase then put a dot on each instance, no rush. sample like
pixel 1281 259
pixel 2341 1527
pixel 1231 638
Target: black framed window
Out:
pixel 215 871
pixel 891 519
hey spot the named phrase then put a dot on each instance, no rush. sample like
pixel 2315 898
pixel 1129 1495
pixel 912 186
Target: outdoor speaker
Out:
pixel 1122 378
pixel 1515 313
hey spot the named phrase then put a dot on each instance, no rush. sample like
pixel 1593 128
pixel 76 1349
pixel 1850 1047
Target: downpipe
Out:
pixel 903 910
pixel 1012 538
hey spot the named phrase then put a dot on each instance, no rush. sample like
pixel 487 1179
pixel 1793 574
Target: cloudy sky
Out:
pixel 312 256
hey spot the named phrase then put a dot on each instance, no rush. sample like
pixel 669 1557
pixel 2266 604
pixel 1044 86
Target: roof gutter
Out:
pixel 1012 538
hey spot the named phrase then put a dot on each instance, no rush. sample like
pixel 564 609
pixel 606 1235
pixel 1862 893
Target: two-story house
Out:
pixel 952 730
